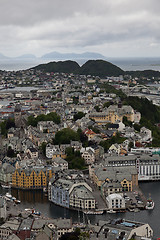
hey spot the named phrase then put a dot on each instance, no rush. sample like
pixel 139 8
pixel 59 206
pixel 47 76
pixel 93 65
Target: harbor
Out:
pixel 38 201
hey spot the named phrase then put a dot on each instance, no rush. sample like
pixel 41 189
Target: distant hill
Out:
pixel 72 56
pixel 101 68
pixel 92 67
pixel 26 56
pixel 145 73
pixel 65 67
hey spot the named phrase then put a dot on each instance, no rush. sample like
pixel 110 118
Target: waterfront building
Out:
pixel 115 201
pixel 147 165
pixel 32 178
pixel 71 193
pixel 127 177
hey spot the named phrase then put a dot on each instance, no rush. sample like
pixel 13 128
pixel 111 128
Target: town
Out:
pixel 79 139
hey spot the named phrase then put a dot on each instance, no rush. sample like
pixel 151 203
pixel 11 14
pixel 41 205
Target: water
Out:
pixel 39 201
pixel 127 64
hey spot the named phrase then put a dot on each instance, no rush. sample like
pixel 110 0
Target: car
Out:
pixel 127 198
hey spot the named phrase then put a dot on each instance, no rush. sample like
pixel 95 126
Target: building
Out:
pixel 3 211
pixel 127 177
pixel 6 171
pixel 70 193
pixel 115 113
pixel 145 161
pixel 60 162
pixel 8 228
pixel 88 155
pixel 120 229
pixel 115 201
pixel 32 178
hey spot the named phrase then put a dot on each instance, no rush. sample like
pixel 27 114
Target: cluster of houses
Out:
pixel 110 174
pixel 29 169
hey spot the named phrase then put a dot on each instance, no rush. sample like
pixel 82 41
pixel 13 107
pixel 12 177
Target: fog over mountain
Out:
pixel 58 56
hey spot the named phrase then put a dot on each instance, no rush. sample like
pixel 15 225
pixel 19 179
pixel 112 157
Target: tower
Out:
pixel 18 116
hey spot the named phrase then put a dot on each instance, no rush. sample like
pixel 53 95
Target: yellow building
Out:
pixel 112 114
pixel 30 178
pixel 126 176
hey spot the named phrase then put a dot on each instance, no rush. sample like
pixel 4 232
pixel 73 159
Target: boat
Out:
pixel 5 186
pixel 93 212
pixel 150 203
pixel 36 213
pixel 111 211
pixel 32 211
pixel 45 190
pixel 17 201
pixel 8 195
pixel 136 210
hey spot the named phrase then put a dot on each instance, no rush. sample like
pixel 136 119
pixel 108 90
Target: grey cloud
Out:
pixel 76 24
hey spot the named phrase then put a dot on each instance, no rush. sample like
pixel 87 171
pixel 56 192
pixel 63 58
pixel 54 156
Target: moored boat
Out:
pixel 6 186
pixel 93 212
pixel 150 203
pixel 111 211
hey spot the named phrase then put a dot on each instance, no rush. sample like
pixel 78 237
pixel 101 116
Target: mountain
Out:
pixel 65 67
pixel 85 55
pixel 144 73
pixel 101 68
pixel 92 67
pixel 26 56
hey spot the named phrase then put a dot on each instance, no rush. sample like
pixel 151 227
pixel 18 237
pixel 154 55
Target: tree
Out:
pixel 97 108
pixel 126 122
pixel 83 138
pixel 75 100
pixel 5 125
pixel 53 116
pixel 74 159
pixel 43 148
pixel 65 135
pixel 10 152
pixel 78 115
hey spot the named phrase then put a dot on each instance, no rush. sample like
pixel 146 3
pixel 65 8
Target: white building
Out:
pixel 115 201
pixel 50 149
pixel 60 162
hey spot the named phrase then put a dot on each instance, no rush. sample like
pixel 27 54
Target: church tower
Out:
pixel 18 116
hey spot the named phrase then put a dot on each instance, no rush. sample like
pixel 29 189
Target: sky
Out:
pixel 114 28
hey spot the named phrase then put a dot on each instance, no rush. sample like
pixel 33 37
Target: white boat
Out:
pixel 111 211
pixel 150 204
pixel 32 211
pixel 8 195
pixel 93 212
pixel 6 186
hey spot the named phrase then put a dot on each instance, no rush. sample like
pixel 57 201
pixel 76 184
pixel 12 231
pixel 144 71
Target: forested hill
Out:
pixel 99 68
pixel 144 73
pixel 61 66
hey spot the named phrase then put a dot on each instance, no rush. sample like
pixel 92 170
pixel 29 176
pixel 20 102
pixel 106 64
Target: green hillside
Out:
pixel 101 68
pixel 92 67
pixel 61 66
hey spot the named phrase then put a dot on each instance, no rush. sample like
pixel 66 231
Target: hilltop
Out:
pixel 100 68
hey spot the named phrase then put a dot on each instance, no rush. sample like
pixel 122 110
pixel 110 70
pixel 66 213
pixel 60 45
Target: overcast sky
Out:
pixel 114 28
